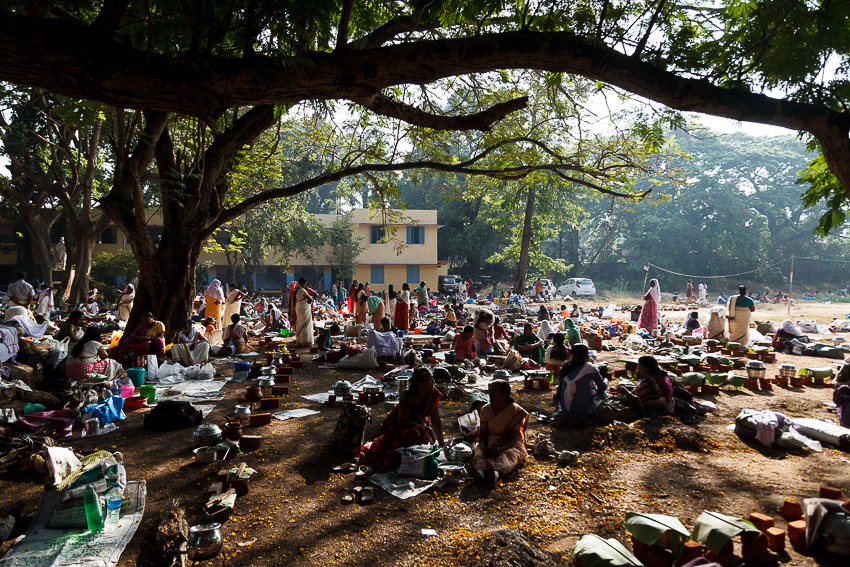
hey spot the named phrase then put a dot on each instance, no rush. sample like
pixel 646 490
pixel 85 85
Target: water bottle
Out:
pixel 113 506
pixel 94 511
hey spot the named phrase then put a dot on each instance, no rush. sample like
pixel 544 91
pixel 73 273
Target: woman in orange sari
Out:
pixel 352 296
pixel 414 421
pixel 501 441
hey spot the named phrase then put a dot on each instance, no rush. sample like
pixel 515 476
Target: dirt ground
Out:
pixel 293 514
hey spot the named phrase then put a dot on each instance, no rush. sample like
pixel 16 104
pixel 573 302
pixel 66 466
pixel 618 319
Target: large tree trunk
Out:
pixel 86 234
pixel 522 268
pixel 37 223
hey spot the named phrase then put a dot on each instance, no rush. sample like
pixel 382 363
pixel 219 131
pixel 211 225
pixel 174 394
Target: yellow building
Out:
pixel 409 254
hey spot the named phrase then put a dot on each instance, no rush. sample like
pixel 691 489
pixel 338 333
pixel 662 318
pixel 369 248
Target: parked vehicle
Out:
pixel 449 285
pixel 578 287
pixel 548 288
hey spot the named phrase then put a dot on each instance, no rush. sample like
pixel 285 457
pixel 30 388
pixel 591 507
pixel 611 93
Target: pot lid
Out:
pixel 342 384
pixel 207 429
pixel 755 364
pixel 787 365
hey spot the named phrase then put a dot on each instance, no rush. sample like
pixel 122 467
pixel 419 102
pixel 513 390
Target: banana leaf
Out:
pixel 693 378
pixel 714 530
pixel 651 528
pixel 715 379
pixel 689 359
pixel 597 552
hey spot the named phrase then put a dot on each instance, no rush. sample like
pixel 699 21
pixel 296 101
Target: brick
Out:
pixel 791 510
pixel 692 550
pixel 640 550
pixel 270 403
pixel 761 521
pixel 797 532
pixel 659 557
pixel 775 539
pixel 725 557
pixel 831 493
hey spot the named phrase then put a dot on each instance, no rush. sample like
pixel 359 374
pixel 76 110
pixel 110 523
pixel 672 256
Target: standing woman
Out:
pixel 352 296
pixel 689 292
pixel 401 315
pixel 392 298
pixel 703 293
pixel 214 297
pixel 304 314
pixel 360 305
pixel 739 316
pixel 233 302
pixel 45 301
pixel 125 302
pixel 649 313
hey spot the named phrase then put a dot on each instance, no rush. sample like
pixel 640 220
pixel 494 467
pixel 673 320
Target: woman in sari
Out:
pixel 377 310
pixel 556 355
pixel 787 332
pixel 689 292
pixel 88 356
pixel 45 301
pixel 571 332
pixel 360 306
pixel 304 315
pixel 415 420
pixel 352 296
pixel 149 331
pixel 739 317
pixel 233 302
pixel 190 347
pixel 392 299
pixel 214 297
pixel 401 315
pixel 501 440
pixel 125 302
pixel 649 313
pixel 716 328
pixel 529 345
pixel 581 384
pixel 653 395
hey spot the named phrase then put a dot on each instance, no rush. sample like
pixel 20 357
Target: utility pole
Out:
pixel 791 285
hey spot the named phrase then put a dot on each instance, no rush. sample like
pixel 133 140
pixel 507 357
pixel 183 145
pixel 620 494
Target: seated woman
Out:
pixel 324 341
pixel 413 421
pixel 483 332
pixel 546 330
pixel 556 355
pixel 190 347
pixel 788 332
pixel 529 345
pixel 581 384
pixel 653 395
pixel 692 324
pixel 235 336
pixel 575 312
pixel 501 340
pixel 501 440
pixel 543 314
pixel 150 332
pixel 451 318
pixel 464 344
pixel 72 328
pixel 89 356
pixel 571 332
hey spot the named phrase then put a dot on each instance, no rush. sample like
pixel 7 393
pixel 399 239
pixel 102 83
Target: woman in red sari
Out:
pixel 401 314
pixel 649 313
pixel 352 295
pixel 414 421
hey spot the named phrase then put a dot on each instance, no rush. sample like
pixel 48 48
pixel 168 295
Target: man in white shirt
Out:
pixel 20 292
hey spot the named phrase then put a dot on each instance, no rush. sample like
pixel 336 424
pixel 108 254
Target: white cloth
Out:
pixel 655 291
pixel 232 306
pixel 214 290
pixel 45 302
pixel 89 352
pixel 386 344
pixel 9 345
pixel 545 330
pixel 547 359
pixel 20 292
pixel 404 296
pixel 789 327
pixel 198 353
pixel 569 389
pixel 31 328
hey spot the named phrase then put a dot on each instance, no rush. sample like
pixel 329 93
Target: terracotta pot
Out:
pixel 253 393
pixel 233 430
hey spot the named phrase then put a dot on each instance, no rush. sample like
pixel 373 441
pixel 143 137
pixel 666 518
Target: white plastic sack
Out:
pixel 368 359
pixel 58 353
pixel 608 312
pixel 151 365
pixel 61 462
pixel 207 372
pixel 192 372
pixel 469 423
pixel 635 341
pixel 167 370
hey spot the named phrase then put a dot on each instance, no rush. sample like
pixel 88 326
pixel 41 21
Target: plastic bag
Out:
pixel 61 462
pixel 419 461
pixel 469 424
pixel 152 365
pixel 207 372
pixel 608 312
pixel 192 372
pixel 58 353
pixel 108 411
pixel 166 370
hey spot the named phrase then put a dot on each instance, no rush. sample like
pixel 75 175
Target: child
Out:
pixel 324 339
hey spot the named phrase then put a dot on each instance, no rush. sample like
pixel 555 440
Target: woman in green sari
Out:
pixel 571 332
pixel 529 345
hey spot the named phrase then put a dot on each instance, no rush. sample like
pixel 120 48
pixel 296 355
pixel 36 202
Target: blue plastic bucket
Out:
pixel 137 376
pixel 241 366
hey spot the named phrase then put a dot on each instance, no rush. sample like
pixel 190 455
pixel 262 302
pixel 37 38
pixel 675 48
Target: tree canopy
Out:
pixel 781 62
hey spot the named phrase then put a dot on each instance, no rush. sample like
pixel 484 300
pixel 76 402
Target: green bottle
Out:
pixel 94 511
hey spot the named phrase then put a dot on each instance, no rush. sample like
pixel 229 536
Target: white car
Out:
pixel 577 287
pixel 548 288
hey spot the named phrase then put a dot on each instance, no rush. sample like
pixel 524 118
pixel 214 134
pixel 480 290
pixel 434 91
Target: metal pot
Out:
pixel 459 453
pixel 501 373
pixel 266 382
pixel 756 369
pixel 834 533
pixel 206 454
pixel 787 370
pixel 268 370
pixel 207 434
pixel 242 412
pixel 373 388
pixel 204 542
pixel 403 384
pixel 342 388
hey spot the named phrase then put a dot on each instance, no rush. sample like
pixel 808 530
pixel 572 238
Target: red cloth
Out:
pixel 77 371
pixel 401 317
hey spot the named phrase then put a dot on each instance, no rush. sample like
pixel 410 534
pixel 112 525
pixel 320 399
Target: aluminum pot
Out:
pixel 342 388
pixel 242 412
pixel 204 542
pixel 756 369
pixel 206 454
pixel 459 453
pixel 267 382
pixel 373 388
pixel 207 434
pixel 787 370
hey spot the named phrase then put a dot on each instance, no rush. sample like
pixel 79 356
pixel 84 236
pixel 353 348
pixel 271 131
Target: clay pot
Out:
pixel 233 430
pixel 253 394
